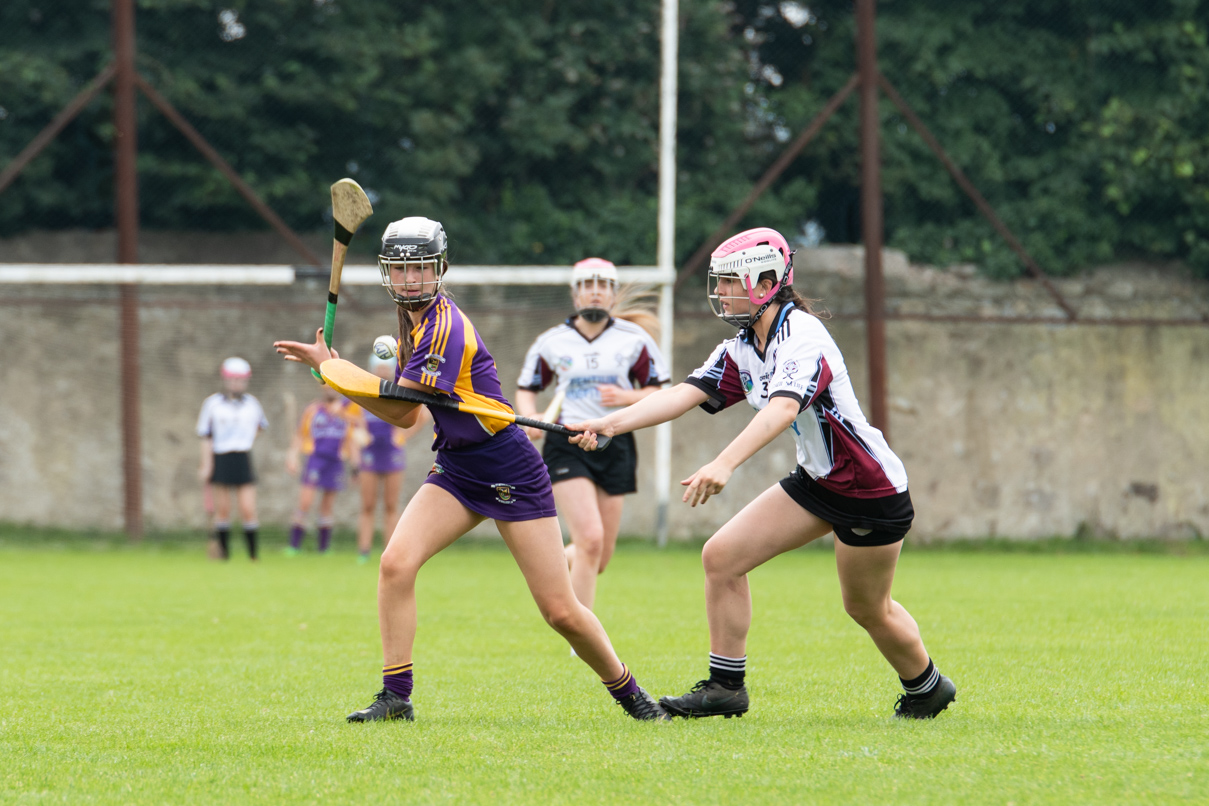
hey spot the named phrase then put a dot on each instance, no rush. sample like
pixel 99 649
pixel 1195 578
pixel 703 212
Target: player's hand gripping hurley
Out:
pixel 350 380
pixel 350 207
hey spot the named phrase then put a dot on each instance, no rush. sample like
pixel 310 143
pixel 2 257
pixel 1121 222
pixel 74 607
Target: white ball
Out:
pixel 384 347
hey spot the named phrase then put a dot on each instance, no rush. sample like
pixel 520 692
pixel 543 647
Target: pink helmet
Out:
pixel 746 256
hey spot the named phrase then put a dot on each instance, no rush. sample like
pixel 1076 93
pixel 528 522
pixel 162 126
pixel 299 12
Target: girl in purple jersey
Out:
pixel 848 481
pixel 383 465
pixel 325 437
pixel 485 468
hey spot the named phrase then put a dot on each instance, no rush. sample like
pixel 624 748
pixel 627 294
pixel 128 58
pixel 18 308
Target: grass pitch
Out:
pixel 150 675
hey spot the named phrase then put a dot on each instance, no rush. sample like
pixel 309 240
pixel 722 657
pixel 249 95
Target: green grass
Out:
pixel 149 675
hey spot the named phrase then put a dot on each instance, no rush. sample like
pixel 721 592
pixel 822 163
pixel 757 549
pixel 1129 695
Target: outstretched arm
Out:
pixel 394 412
pixel 770 421
pixel 659 407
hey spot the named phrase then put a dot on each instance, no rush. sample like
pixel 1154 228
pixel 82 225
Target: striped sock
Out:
pixel 923 685
pixel 398 679
pixel 623 686
pixel 729 672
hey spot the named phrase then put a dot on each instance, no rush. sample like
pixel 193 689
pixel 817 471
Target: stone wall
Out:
pixel 1017 430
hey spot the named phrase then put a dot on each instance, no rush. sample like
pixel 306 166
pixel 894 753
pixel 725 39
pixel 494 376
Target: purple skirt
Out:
pixel 388 460
pixel 502 478
pixel 323 472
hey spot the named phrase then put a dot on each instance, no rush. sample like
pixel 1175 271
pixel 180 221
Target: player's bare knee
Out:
pixel 562 615
pixel 870 615
pixel 590 545
pixel 715 560
pixel 397 569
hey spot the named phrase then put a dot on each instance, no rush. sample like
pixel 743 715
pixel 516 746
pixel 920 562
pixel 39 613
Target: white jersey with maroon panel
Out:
pixel 622 355
pixel 835 444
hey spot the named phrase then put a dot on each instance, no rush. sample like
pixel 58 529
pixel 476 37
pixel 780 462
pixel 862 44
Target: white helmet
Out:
pixel 746 256
pixel 234 367
pixel 598 269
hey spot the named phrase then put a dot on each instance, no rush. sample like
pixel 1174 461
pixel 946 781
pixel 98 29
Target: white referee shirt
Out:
pixel 835 444
pixel 623 355
pixel 231 422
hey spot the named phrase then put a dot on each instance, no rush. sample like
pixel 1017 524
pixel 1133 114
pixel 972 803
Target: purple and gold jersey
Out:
pixel 324 433
pixel 450 356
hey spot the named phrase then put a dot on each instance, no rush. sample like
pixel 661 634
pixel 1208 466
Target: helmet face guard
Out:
pixel 593 274
pixel 745 257
pixel 414 243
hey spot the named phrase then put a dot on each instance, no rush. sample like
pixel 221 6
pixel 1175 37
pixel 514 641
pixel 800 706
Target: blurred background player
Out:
pixel 847 480
pixel 228 425
pixel 383 463
pixel 485 468
pixel 325 436
pixel 601 358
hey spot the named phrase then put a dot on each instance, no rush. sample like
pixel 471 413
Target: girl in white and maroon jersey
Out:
pixel 601 358
pixel 847 481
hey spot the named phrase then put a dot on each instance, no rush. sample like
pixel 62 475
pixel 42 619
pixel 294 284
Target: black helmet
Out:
pixel 415 241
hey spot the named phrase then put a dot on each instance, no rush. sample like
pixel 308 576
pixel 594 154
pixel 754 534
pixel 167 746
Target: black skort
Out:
pixel 613 470
pixel 233 469
pixel 856 521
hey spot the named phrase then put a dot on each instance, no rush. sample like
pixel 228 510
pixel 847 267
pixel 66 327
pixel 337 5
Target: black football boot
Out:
pixel 642 706
pixel 927 705
pixel 386 705
pixel 708 698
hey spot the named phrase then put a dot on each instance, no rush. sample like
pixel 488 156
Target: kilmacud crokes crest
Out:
pixel 745 379
pixel 432 363
pixel 436 468
pixel 790 369
pixel 503 493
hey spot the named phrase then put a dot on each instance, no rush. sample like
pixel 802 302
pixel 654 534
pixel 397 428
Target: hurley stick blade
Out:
pixel 350 207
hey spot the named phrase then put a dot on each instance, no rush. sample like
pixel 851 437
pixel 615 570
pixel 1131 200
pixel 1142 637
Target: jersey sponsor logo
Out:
pixel 432 363
pixel 580 388
pixel 745 379
pixel 503 493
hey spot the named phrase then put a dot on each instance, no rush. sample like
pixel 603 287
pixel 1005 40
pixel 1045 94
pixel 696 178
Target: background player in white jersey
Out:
pixel 603 357
pixel 228 425
pixel 848 481
pixel 383 463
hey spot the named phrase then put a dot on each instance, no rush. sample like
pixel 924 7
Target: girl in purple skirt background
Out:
pixel 383 465
pixel 325 437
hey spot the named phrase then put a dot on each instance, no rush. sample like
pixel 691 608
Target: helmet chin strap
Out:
pixel 593 315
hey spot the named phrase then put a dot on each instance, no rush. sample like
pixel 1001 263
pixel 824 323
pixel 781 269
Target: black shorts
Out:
pixel 612 470
pixel 880 521
pixel 233 469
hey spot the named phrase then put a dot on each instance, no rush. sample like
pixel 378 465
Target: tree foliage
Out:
pixel 531 129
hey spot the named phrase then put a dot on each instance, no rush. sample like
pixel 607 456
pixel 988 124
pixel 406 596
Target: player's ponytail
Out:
pixel 637 304
pixel 786 293
pixel 405 344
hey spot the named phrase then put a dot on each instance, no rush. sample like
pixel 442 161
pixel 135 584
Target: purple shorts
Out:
pixel 502 478
pixel 323 472
pixel 390 460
